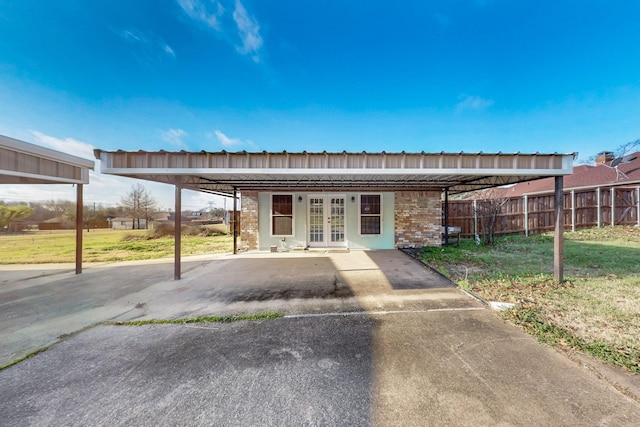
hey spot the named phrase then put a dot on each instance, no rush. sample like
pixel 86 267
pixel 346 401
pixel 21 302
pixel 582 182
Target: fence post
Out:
pixel 558 233
pixel 573 210
pixel 476 235
pixel 613 206
pixel 526 215
pixel 598 214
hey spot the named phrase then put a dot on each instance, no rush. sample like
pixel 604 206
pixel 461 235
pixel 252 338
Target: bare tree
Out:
pixel 139 204
pixel 622 150
pixel 488 211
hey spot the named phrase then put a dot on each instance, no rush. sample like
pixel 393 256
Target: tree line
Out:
pixel 138 204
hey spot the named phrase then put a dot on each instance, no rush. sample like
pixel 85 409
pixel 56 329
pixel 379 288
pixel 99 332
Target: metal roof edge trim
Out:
pixel 48 178
pixel 98 151
pixel 336 171
pixel 33 149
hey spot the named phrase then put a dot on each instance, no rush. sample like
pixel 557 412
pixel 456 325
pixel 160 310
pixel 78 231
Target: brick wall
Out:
pixel 249 220
pixel 418 215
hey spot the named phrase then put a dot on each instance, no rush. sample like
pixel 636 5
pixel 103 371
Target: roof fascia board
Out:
pixel 48 179
pixel 333 172
pixel 36 150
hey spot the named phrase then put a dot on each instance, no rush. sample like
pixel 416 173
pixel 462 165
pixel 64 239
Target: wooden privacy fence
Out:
pixel 583 208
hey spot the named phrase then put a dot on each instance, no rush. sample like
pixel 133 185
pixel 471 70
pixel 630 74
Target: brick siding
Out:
pixel 418 215
pixel 249 221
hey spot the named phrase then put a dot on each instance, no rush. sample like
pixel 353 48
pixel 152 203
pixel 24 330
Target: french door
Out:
pixel 326 220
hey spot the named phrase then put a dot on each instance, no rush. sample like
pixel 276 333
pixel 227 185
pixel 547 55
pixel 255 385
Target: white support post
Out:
pixel 613 206
pixel 526 215
pixel 573 210
pixel 598 215
pixel 638 205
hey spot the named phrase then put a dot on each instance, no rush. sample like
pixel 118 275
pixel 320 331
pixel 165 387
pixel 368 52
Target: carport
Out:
pixel 25 163
pixel 415 183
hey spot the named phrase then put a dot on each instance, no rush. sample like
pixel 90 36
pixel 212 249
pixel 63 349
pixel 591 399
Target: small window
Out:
pixel 370 214
pixel 282 215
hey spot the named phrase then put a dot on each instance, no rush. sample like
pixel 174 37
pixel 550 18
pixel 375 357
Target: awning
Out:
pixel 25 163
pixel 222 172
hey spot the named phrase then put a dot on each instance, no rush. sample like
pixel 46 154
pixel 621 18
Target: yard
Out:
pixel 102 245
pixel 596 310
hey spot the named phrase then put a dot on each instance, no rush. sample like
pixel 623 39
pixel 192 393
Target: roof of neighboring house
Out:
pixel 582 176
pixel 224 172
pixel 55 220
pixel 124 218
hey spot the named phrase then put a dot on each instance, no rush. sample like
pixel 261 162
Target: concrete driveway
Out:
pixel 370 338
pixel 41 303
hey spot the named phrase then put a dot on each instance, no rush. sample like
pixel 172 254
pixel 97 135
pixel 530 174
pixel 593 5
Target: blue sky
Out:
pixel 457 75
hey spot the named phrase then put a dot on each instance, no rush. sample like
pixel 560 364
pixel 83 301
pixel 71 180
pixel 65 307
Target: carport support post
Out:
pixel 235 221
pixel 558 237
pixel 177 232
pixel 79 215
pixel 446 217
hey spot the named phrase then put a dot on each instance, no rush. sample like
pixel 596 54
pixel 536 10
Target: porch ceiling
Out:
pixel 222 172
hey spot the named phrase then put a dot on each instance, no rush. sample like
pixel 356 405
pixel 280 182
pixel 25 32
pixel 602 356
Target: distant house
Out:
pixel 127 223
pixel 57 223
pixel 605 173
pixel 606 193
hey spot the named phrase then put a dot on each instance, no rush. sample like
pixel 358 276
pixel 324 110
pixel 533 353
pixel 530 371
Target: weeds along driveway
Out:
pixel 37 310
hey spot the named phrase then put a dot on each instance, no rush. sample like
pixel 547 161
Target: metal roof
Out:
pixel 222 172
pixel 25 163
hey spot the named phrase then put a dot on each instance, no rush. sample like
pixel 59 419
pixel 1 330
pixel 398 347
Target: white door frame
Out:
pixel 331 237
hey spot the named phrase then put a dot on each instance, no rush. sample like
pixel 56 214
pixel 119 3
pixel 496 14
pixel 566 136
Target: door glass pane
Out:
pixel 316 220
pixel 337 219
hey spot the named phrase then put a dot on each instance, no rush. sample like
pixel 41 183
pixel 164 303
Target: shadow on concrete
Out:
pixel 404 272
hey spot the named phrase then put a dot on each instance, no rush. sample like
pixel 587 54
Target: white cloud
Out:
pixel 169 51
pixel 66 145
pixel 148 47
pixel 198 10
pixel 175 137
pixel 476 103
pixel 225 140
pixel 249 32
pixel 244 32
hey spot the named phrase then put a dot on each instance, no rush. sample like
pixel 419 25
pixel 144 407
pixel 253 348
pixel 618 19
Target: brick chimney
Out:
pixel 604 157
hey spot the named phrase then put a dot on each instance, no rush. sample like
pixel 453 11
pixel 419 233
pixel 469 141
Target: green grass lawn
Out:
pixel 596 310
pixel 101 245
